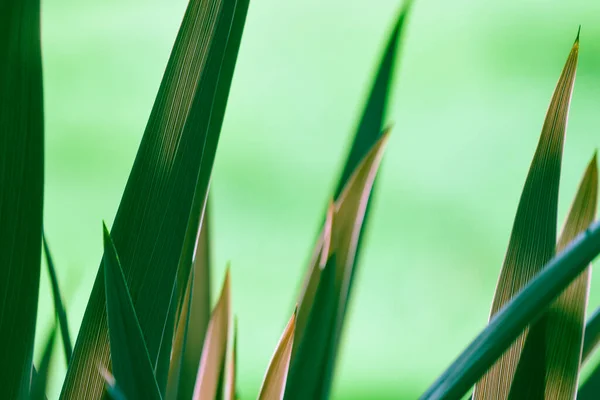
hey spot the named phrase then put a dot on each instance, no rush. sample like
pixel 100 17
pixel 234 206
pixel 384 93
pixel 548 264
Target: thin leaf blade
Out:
pixel 215 345
pixel 21 194
pixel 40 379
pixel 274 382
pixel 533 237
pixel 132 368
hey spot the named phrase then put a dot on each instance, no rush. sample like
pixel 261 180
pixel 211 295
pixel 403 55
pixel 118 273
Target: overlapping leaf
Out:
pixel 40 376
pixel 346 218
pixel 274 383
pixel 132 368
pixel 58 303
pixel 592 335
pixel 215 345
pixel 533 238
pixel 560 331
pixel 508 324
pixel 21 189
pixel 168 183
pixel 230 380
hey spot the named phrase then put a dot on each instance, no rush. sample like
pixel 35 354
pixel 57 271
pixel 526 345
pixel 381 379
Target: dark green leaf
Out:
pixel 58 303
pixel 167 186
pixel 40 378
pixel 163 362
pixel 533 237
pixel 590 390
pixel 21 189
pixel 508 323
pixel 131 364
pixel 558 335
pixel 308 361
pixel 592 335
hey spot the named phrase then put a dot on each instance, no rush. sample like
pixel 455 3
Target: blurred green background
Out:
pixel 470 95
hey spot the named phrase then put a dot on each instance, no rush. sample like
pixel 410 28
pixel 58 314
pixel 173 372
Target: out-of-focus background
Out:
pixel 470 95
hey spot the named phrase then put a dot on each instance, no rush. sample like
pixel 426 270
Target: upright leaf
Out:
pixel 167 185
pixel 132 368
pixel 561 329
pixel 523 309
pixel 199 311
pixel 273 386
pixel 58 303
pixel 533 238
pixel 180 344
pixel 215 344
pixel 230 380
pixel 40 377
pixel 163 361
pixel 21 189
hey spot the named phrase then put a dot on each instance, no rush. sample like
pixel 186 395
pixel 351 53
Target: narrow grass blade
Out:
pixel 523 309
pixel 40 378
pixel 590 390
pixel 215 345
pixel 274 383
pixel 305 375
pixel 371 126
pixel 592 335
pixel 163 362
pixel 21 189
pixel 230 380
pixel 179 343
pixel 313 276
pixel 58 303
pixel 533 238
pixel 167 185
pixel 130 361
pixel 559 332
pixel 200 311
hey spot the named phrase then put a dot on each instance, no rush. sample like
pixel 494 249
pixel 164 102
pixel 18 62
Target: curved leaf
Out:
pixel 533 238
pixel 21 194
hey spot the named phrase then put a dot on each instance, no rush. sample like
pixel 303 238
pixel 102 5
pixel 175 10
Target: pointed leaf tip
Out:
pixel 578 32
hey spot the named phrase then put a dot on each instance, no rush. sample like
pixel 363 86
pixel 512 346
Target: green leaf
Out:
pixel 273 386
pixel 167 186
pixel 591 387
pixel 215 346
pixel 131 364
pixel 180 344
pixel 508 323
pixel 371 126
pixel 40 377
pixel 21 194
pixel 163 362
pixel 58 303
pixel 309 355
pixel 533 238
pixel 559 333
pixel 200 311
pixel 592 335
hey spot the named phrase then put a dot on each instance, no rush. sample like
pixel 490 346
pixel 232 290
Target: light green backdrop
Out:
pixel 469 99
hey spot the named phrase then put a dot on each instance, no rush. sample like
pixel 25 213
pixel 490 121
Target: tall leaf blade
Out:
pixel 230 379
pixel 131 363
pixel 21 189
pixel 163 361
pixel 171 171
pixel 199 311
pixel 274 383
pixel 533 238
pixel 561 328
pixel 523 309
pixel 58 303
pixel 215 345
